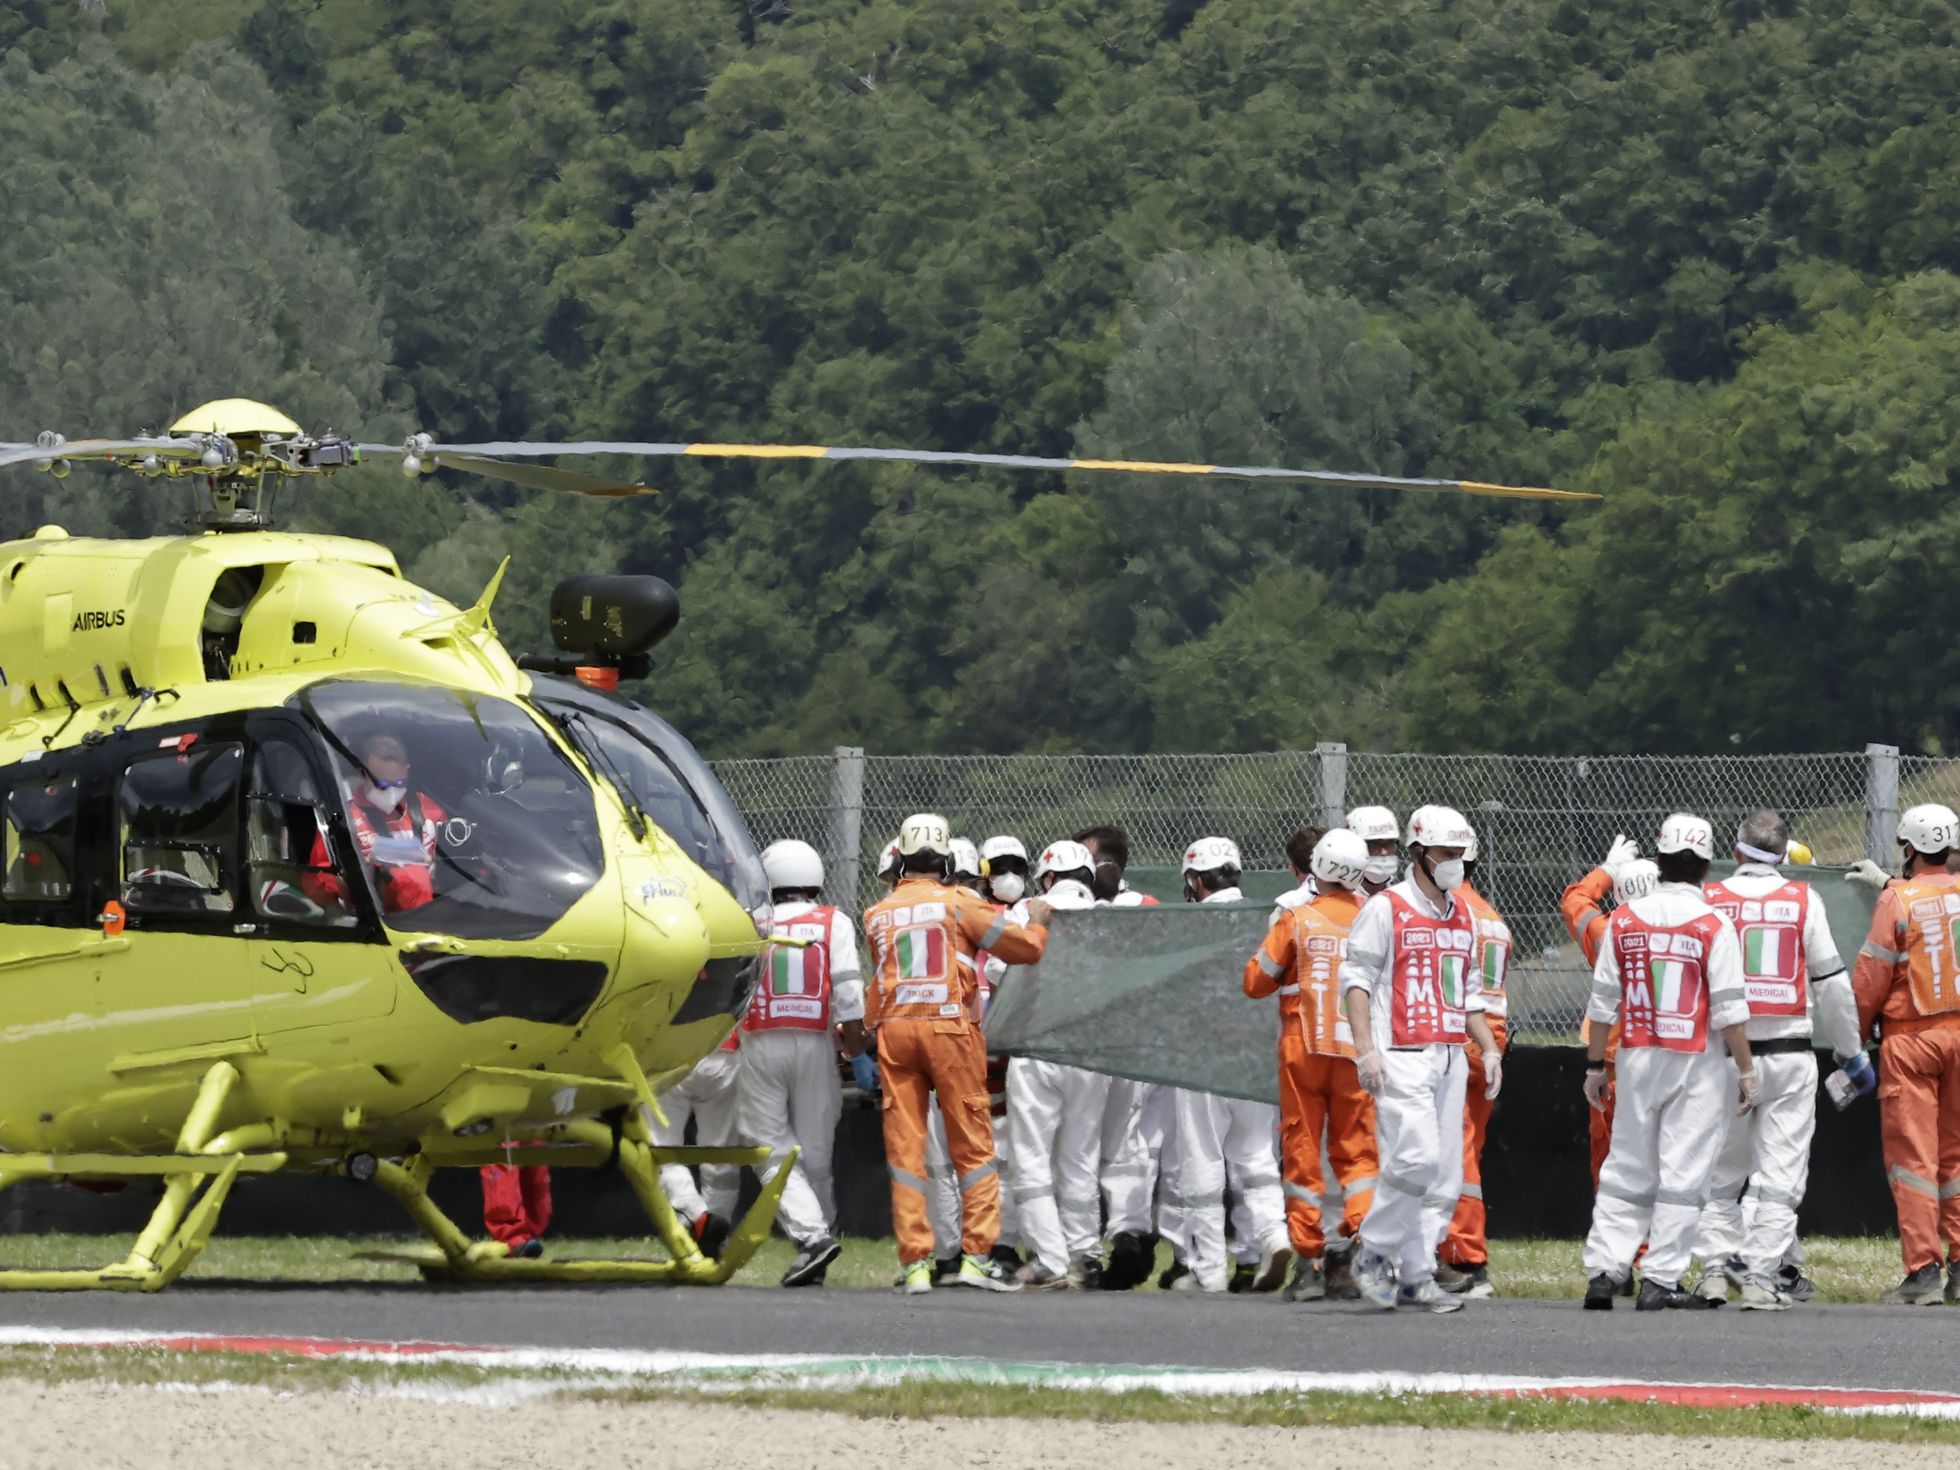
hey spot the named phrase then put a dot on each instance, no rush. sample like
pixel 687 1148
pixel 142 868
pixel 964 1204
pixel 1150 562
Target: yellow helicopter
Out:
pixel 302 870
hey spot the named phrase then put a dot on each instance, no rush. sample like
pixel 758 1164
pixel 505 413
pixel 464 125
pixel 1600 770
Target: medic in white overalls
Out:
pixel 1054 1127
pixel 1407 982
pixel 1789 962
pixel 787 1095
pixel 1670 972
pixel 1219 1140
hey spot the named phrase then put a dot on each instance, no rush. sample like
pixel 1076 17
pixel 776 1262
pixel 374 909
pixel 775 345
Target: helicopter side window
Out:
pixel 179 829
pixel 289 864
pixel 38 833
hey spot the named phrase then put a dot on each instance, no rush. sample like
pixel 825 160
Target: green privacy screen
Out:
pixel 1155 993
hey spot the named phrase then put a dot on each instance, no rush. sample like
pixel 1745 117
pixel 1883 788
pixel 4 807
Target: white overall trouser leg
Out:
pixel 1419 1111
pixel 788 1096
pixel 942 1186
pixel 1719 1232
pixel 708 1095
pixel 1128 1172
pixel 1251 1142
pixel 1078 1162
pixel 1034 1117
pixel 1195 1181
pixel 1669 1122
pixel 1157 1131
pixel 1785 1119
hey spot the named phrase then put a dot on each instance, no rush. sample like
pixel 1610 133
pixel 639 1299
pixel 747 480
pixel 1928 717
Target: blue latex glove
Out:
pixel 1858 1069
pixel 864 1071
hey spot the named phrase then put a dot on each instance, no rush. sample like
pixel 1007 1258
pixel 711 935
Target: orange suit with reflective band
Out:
pixel 1318 1084
pixel 1465 1245
pixel 920 1001
pixel 1908 975
pixel 1583 908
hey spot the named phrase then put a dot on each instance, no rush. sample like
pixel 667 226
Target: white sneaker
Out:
pixel 1374 1275
pixel 1714 1287
pixel 1761 1295
pixel 1271 1275
pixel 1427 1294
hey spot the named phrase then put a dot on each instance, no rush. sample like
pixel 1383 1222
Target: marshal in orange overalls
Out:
pixel 921 1003
pixel 1318 1086
pixel 1466 1245
pixel 1584 912
pixel 1908 974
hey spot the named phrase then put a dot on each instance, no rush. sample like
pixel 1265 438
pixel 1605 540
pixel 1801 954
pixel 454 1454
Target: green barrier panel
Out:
pixel 1155 994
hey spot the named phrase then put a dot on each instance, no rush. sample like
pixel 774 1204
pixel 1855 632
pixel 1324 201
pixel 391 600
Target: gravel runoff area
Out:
pixel 129 1428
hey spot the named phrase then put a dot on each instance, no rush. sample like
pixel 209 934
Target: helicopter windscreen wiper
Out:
pixel 594 750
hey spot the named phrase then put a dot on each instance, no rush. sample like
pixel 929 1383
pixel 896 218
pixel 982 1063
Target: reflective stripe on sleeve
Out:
pixel 1879 952
pixel 994 931
pixel 1271 966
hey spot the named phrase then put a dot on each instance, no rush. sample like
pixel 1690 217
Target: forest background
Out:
pixel 1698 257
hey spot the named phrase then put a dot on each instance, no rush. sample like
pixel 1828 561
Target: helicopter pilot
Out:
pixel 395 828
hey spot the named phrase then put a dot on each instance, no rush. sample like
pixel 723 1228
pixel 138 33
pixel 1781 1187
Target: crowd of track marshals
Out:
pixel 1386 970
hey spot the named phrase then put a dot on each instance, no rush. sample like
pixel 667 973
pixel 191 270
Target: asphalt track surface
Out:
pixel 1827 1346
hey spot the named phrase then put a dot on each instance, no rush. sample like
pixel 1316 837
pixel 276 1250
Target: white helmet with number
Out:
pixel 966 859
pixel 1003 846
pixel 792 864
pixel 1341 858
pixel 1374 824
pixel 1636 878
pixel 1211 854
pixel 925 832
pixel 1064 857
pixel 1686 832
pixel 1439 826
pixel 1930 828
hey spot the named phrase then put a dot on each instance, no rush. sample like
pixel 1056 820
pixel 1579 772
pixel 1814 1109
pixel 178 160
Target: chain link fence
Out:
pixel 1542 820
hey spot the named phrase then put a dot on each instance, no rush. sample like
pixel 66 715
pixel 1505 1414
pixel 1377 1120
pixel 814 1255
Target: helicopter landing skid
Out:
pixel 180 1226
pixel 453 1256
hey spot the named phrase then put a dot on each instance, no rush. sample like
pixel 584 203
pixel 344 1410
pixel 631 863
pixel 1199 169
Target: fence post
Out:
pixel 1333 757
pixel 1882 804
pixel 846 821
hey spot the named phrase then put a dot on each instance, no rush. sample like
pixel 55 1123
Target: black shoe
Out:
pixel 710 1232
pixel 1007 1256
pixel 530 1250
pixel 1131 1255
pixel 1600 1292
pixel 1453 1279
pixel 1241 1280
pixel 1170 1274
pixel 943 1267
pixel 1340 1276
pixel 1309 1283
pixel 1629 1286
pixel 1921 1289
pixel 1798 1287
pixel 1654 1297
pixel 1086 1274
pixel 812 1262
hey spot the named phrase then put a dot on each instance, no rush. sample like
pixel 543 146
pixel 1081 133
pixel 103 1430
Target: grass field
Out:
pixel 1846 1270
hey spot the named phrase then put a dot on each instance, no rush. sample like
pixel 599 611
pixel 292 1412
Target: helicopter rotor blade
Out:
pixel 548 477
pixel 505 450
pixel 11 454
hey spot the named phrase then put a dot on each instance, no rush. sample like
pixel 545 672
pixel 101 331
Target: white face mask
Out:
pixel 385 798
pixel 1380 869
pixel 1008 887
pixel 1448 875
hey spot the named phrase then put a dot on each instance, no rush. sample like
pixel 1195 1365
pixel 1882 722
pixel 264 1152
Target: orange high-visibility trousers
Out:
pixel 917 1059
pixel 516 1202
pixel 1317 1091
pixel 1465 1244
pixel 1919 1123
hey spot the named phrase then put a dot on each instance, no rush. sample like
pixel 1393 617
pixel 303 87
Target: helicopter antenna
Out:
pixel 477 619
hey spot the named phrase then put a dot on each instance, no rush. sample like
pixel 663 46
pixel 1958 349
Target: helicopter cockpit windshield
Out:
pixel 467 819
pixel 656 768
